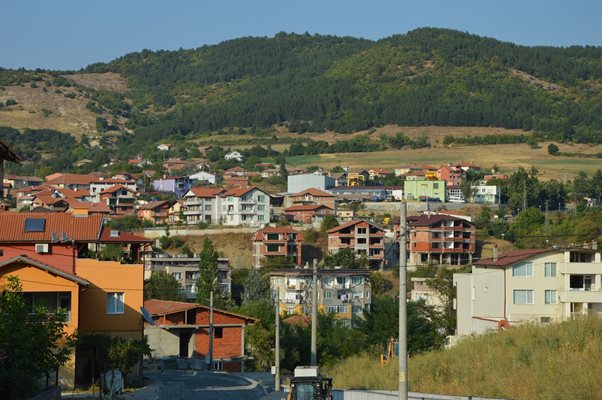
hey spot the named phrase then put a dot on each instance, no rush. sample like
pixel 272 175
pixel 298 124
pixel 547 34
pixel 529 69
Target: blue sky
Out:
pixel 70 34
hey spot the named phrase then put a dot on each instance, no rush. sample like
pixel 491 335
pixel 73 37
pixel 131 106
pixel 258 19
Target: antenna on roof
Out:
pixel 64 236
pixel 55 237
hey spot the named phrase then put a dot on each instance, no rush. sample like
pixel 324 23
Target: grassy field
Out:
pixel 506 157
pixel 557 361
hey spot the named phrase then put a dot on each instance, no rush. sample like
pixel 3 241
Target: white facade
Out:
pixel 201 209
pixel 488 194
pixel 550 286
pixel 249 209
pixel 301 182
pixel 97 187
pixel 234 155
pixel 204 176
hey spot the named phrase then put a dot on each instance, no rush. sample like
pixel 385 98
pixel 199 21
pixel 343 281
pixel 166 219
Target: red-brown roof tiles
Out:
pixel 207 192
pixel 83 229
pixel 314 192
pixel 512 257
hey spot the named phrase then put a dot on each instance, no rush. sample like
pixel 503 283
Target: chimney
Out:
pixel 494 257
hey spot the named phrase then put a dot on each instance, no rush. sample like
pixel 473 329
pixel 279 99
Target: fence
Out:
pixel 389 395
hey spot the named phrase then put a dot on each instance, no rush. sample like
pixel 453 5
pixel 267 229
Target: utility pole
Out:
pixel 403 323
pixel 277 352
pixel 314 315
pixel 211 329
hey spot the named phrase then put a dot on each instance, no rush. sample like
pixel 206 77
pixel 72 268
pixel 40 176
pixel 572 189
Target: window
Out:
pixel 341 280
pixel 273 236
pixel 261 198
pixel 550 297
pixel 327 295
pixel 522 269
pixel 207 207
pixel 435 185
pixel 260 217
pixel 272 248
pixel 115 303
pixel 361 231
pixel 361 241
pixel 549 269
pixel 177 275
pixel 218 332
pixel 523 296
pixel 261 207
pixel 357 280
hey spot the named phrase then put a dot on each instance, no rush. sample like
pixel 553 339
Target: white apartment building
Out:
pixel 528 286
pixel 485 194
pixel 99 186
pixel 203 205
pixel 248 206
pixel 344 293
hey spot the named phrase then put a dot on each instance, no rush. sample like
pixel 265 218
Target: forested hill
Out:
pixel 312 82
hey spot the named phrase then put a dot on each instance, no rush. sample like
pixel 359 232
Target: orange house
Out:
pixel 48 253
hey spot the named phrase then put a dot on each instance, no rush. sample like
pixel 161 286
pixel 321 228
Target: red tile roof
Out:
pixel 307 207
pixel 114 181
pixel 259 235
pixel 351 223
pixel 207 192
pixel 238 192
pixel 313 192
pixel 49 200
pixel 435 219
pixel 71 179
pixel 512 257
pixel 82 229
pixel 117 188
pixel 122 237
pixel 158 308
pixel 155 204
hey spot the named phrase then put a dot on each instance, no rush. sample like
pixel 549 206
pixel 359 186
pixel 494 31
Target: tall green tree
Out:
pixel 208 270
pixel 35 341
pixel 256 286
pixel 346 258
pixel 162 286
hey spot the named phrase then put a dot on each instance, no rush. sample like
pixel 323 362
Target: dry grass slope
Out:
pixel 558 361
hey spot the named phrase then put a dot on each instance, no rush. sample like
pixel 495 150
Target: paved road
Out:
pixel 193 385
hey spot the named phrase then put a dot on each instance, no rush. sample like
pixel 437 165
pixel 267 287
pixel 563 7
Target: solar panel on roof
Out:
pixel 35 224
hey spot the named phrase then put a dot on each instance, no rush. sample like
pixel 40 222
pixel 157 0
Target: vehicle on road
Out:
pixel 309 384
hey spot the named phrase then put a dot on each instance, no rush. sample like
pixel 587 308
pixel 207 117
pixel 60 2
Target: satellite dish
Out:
pixel 146 315
pixel 64 235
pixel 55 237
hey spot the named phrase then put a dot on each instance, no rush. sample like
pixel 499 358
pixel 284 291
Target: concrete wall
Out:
pixel 165 342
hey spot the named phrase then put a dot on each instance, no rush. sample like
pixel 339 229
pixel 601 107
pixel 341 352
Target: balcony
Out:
pixel 580 268
pixel 193 212
pixel 245 210
pixel 247 201
pixel 581 296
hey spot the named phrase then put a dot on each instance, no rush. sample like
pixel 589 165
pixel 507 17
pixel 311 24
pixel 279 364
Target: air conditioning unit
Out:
pixel 42 248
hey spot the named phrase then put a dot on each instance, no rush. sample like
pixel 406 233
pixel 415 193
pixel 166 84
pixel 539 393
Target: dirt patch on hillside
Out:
pixel 238 247
pixel 47 108
pixel 109 81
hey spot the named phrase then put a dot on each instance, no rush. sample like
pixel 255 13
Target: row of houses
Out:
pixel 433 238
